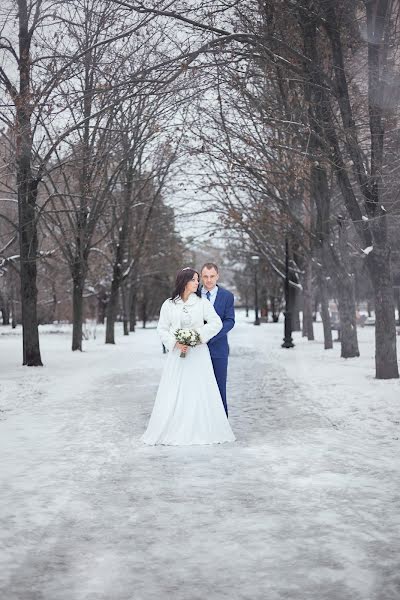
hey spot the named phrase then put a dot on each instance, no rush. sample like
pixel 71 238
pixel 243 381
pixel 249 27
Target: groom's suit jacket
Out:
pixel 223 305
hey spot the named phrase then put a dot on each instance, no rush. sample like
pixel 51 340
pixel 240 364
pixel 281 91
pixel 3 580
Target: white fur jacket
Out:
pixel 199 309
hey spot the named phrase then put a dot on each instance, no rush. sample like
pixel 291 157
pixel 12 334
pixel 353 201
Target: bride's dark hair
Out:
pixel 182 278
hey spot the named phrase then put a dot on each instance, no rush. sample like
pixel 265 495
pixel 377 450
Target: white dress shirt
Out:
pixel 213 294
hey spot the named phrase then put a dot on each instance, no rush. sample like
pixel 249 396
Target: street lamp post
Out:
pixel 256 260
pixel 287 340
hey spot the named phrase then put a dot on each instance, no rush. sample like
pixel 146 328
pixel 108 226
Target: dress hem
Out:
pixel 188 443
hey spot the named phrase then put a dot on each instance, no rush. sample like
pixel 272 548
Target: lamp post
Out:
pixel 287 340
pixel 256 260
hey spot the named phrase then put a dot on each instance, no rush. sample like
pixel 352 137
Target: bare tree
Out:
pixel 32 68
pixel 49 57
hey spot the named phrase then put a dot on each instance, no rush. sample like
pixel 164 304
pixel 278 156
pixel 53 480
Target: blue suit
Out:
pixel 218 345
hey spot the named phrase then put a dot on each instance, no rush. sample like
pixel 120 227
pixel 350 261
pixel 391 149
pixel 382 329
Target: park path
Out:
pixel 298 508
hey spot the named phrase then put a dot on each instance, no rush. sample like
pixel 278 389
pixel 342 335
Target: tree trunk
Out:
pixel 13 308
pixel 5 312
pixel 325 316
pixel 315 308
pixel 126 327
pixel 275 315
pixel 347 316
pixel 125 296
pixel 101 308
pixel 308 329
pixel 144 312
pixel 77 307
pixel 321 195
pixel 132 309
pixel 112 305
pixel 294 300
pixel 385 323
pixel 28 271
pixel 53 306
pixel 118 277
pixel 27 194
pixel 346 297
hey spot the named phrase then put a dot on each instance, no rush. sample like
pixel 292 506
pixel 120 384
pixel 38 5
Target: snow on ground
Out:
pixel 303 506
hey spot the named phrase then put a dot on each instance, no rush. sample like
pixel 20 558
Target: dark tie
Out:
pixel 208 295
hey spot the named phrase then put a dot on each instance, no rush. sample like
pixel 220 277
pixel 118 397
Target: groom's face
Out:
pixel 209 278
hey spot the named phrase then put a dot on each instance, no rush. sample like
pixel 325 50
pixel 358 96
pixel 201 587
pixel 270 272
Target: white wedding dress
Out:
pixel 188 408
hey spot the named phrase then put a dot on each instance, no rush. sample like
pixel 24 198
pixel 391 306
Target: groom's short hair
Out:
pixel 209 265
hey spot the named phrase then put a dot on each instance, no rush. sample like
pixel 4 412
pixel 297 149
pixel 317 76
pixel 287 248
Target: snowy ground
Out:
pixel 304 506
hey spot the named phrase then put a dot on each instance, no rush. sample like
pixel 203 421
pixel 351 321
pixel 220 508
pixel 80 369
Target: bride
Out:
pixel 188 408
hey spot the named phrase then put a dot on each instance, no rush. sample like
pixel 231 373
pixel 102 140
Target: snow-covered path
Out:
pixel 304 506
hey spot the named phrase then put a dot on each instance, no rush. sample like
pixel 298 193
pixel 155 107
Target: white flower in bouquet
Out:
pixel 187 337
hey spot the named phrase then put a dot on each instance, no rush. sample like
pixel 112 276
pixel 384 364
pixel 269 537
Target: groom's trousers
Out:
pixel 221 370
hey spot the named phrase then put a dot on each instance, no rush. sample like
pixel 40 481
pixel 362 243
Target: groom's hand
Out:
pixel 182 347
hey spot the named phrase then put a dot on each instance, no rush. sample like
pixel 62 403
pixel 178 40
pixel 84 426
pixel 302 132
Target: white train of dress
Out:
pixel 188 408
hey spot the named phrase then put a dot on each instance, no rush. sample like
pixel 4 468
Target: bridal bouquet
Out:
pixel 187 337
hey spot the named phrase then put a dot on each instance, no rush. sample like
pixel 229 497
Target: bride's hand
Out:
pixel 182 347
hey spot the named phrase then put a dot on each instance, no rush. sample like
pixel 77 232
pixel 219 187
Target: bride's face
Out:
pixel 192 285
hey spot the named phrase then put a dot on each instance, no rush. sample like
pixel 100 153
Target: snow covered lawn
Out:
pixel 304 506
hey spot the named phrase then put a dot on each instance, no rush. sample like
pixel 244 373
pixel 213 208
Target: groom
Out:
pixel 222 300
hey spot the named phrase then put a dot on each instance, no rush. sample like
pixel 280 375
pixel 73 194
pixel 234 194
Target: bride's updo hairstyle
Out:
pixel 182 278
